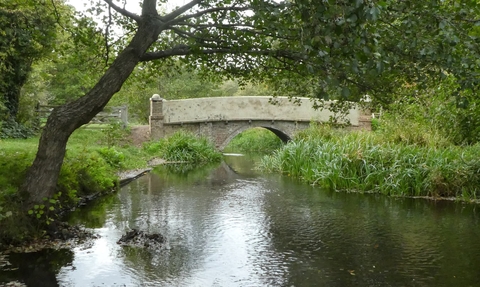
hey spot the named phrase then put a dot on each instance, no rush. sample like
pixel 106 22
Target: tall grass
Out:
pixel 378 162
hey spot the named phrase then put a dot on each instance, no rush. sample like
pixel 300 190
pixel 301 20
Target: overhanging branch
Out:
pixel 184 50
pixel 173 21
pixel 181 10
pixel 122 11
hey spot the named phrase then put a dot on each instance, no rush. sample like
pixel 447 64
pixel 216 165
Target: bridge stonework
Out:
pixel 221 119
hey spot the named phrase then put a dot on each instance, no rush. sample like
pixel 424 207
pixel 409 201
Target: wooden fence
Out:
pixel 107 116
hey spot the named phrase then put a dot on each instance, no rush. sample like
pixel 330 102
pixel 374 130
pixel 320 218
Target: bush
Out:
pixel 113 157
pixel 14 130
pixel 185 147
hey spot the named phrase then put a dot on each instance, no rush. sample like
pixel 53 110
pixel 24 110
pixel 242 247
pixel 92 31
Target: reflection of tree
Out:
pixel 93 215
pixel 38 268
pixel 177 205
pixel 244 165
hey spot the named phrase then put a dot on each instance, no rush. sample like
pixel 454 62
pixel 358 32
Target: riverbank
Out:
pixel 93 166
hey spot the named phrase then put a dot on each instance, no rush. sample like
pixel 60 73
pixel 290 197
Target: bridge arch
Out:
pixel 279 133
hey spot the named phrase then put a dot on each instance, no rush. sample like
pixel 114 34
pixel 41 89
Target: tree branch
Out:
pixel 184 50
pixel 149 7
pixel 181 10
pixel 122 11
pixel 201 13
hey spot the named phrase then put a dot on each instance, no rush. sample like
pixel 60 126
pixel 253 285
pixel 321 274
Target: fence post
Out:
pixel 365 117
pixel 124 116
pixel 37 116
pixel 156 117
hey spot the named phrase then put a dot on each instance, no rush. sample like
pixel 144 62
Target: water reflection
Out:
pixel 229 226
pixel 37 268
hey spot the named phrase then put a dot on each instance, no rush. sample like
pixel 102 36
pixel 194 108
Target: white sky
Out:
pixel 131 5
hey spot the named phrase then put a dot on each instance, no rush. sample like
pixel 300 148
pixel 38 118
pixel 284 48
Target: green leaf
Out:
pixel 30 212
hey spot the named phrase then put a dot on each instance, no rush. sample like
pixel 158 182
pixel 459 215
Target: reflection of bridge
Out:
pixel 221 119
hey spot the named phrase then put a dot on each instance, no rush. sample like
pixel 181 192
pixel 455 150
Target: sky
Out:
pixel 131 5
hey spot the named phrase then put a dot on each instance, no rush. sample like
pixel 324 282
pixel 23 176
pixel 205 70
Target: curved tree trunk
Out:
pixel 41 178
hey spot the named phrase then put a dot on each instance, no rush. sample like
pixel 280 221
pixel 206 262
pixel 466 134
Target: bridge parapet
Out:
pixel 221 118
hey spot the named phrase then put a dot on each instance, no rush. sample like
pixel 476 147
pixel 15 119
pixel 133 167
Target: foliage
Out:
pixel 12 129
pixel 113 157
pixel 345 49
pixel 433 112
pixel 368 162
pixel 255 140
pixel 184 147
pixel 28 33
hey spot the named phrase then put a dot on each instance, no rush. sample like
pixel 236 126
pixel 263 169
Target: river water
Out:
pixel 231 226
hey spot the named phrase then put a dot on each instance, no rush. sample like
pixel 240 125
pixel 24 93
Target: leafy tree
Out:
pixel 346 48
pixel 350 48
pixel 27 30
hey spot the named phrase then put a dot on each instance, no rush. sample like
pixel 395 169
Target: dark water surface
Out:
pixel 228 226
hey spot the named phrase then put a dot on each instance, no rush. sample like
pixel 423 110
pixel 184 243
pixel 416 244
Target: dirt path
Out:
pixel 139 135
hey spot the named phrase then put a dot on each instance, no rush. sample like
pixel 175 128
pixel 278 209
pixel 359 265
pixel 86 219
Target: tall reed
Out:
pixel 366 162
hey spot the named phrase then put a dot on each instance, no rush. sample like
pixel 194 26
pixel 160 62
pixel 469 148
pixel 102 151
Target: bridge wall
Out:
pixel 221 119
pixel 246 108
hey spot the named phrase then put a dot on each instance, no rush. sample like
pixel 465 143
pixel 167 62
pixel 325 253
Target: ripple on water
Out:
pixel 274 232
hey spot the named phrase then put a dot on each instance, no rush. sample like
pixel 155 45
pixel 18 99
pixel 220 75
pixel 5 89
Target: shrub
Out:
pixel 113 157
pixel 183 146
pixel 12 129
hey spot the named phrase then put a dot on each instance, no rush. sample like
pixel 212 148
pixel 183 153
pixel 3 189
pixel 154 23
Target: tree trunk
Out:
pixel 42 176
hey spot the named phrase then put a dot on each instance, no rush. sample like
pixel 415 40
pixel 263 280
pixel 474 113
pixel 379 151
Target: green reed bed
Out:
pixel 365 162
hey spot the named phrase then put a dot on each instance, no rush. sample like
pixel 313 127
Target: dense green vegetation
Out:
pixel 90 167
pixel 255 140
pixel 183 146
pixel 395 161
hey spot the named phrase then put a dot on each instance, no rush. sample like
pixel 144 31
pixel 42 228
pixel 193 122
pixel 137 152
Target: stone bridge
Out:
pixel 222 118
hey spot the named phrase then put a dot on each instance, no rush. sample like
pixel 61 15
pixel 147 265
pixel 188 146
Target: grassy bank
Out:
pixel 92 161
pixel 402 163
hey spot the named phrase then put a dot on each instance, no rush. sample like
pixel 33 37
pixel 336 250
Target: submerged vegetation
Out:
pixel 394 162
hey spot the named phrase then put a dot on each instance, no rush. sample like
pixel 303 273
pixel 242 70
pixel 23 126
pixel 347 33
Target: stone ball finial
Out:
pixel 156 98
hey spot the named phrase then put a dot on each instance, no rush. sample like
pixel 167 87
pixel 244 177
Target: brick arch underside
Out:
pixel 282 135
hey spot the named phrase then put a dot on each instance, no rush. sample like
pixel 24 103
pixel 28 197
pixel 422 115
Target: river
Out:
pixel 229 225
